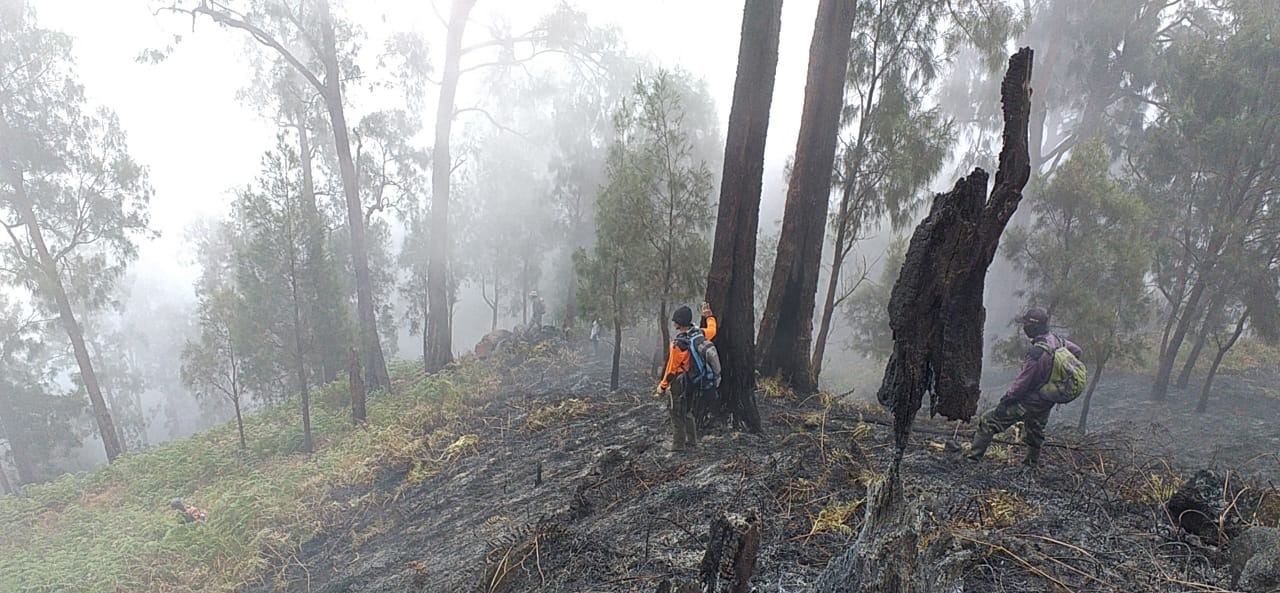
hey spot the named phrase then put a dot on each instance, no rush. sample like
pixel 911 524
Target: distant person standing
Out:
pixel 538 308
pixel 1051 374
pixel 595 337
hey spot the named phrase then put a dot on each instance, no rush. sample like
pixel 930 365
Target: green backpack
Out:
pixel 1068 377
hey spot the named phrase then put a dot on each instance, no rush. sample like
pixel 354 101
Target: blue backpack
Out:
pixel 704 375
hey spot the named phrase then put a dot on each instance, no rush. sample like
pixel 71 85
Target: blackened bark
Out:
pixel 731 279
pixel 53 287
pixel 375 363
pixel 1203 404
pixel 1191 310
pixel 1184 377
pixel 440 335
pixel 1094 379
pixel 730 557
pixel 358 412
pixel 935 310
pixel 786 330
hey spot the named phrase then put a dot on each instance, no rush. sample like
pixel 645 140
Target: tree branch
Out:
pixel 229 18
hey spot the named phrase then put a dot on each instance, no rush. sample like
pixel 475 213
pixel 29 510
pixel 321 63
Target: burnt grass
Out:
pixel 583 496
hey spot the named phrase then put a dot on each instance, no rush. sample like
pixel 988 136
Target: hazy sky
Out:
pixel 185 123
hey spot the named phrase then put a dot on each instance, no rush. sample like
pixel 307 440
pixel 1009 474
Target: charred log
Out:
pixel 935 310
pixel 730 558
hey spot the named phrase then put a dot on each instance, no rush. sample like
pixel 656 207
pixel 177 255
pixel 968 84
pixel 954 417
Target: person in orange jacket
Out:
pixel 681 397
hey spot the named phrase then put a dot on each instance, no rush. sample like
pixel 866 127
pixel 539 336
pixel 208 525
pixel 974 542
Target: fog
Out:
pixel 200 113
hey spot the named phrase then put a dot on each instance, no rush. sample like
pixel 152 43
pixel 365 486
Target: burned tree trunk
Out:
pixel 786 331
pixel 730 558
pixel 731 279
pixel 935 310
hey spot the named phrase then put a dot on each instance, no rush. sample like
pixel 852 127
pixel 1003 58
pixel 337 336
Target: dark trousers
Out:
pixel 1033 417
pixel 681 404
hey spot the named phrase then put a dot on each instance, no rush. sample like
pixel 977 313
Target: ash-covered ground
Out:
pixel 568 488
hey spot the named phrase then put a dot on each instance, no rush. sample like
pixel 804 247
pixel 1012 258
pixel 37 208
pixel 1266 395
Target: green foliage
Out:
pixel 868 311
pixel 1086 257
pixel 113 530
pixel 655 209
pixel 1210 163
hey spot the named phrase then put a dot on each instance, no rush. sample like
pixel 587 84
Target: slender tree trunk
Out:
pixel 320 319
pixel 1160 388
pixel 52 287
pixel 1203 404
pixel 235 402
pixel 786 332
pixel 358 412
pixel 615 372
pixel 5 486
pixel 493 322
pixel 1184 377
pixel 731 279
pixel 440 346
pixel 375 364
pixel 843 230
pixel 300 353
pixel 15 433
pixel 1083 425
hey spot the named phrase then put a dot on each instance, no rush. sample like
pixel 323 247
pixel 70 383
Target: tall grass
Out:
pixel 112 531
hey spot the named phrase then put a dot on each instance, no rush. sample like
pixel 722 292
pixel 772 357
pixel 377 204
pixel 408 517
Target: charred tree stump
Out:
pixel 935 310
pixel 730 558
pixel 358 413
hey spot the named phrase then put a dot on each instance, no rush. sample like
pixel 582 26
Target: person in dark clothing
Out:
pixel 1023 401
pixel 681 395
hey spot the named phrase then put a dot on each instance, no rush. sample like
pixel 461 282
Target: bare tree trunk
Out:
pixel 5 486
pixel 936 308
pixel 615 372
pixel 320 319
pixel 300 353
pixel 235 402
pixel 440 345
pixel 14 430
pixel 358 412
pixel 1160 388
pixel 53 287
pixel 1203 404
pixel 1083 425
pixel 786 331
pixel 1184 377
pixel 375 364
pixel 833 281
pixel 731 278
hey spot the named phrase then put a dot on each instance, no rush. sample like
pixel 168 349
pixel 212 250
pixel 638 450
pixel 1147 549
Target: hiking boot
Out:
pixel 978 449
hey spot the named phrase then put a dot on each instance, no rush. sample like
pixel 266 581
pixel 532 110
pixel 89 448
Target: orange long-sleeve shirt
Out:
pixel 678 360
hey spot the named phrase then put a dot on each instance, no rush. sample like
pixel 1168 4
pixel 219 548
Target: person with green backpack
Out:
pixel 1051 374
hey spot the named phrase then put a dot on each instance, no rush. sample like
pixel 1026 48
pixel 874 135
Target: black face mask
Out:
pixel 1034 329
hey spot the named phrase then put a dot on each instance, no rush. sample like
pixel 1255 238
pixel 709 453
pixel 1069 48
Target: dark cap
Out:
pixel 1034 315
pixel 683 316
